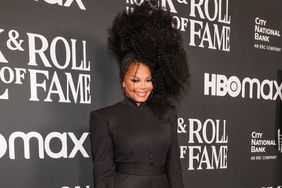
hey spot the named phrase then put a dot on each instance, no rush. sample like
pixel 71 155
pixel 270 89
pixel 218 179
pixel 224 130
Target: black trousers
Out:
pixel 140 176
pixel 123 180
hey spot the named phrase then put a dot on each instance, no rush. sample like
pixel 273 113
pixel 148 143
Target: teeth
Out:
pixel 141 94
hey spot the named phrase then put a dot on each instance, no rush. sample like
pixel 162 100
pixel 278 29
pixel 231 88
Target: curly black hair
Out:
pixel 148 33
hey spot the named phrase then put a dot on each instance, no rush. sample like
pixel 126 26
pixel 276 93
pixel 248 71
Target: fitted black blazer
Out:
pixel 132 148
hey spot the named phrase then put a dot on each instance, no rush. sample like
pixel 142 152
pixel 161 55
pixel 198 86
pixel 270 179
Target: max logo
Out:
pixel 67 3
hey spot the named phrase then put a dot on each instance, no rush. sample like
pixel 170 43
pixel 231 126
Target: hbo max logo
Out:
pixel 44 145
pixel 220 85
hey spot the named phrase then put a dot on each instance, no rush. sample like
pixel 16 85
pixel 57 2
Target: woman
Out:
pixel 134 142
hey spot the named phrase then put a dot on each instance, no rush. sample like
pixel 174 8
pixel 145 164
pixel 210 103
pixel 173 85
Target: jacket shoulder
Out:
pixel 106 111
pixel 171 112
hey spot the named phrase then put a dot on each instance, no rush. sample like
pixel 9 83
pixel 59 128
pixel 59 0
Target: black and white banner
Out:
pixel 55 68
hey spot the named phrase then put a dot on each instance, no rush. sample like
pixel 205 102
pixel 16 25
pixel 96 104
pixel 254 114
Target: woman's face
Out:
pixel 137 82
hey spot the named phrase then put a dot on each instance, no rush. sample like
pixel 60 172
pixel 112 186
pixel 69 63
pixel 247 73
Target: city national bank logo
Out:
pixel 262 146
pixel 206 27
pixel 279 134
pixel 266 35
pixel 66 3
pixel 52 140
pixel 220 85
pixel 207 147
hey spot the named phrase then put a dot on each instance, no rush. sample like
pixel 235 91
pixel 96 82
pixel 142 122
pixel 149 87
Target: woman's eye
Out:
pixel 150 80
pixel 134 80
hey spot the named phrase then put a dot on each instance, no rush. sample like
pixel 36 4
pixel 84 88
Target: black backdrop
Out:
pixel 55 68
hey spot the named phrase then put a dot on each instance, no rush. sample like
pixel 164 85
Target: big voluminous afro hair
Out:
pixel 148 33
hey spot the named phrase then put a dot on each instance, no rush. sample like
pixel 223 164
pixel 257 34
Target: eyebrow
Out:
pixel 134 76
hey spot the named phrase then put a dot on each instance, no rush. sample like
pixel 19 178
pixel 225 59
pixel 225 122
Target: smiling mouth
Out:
pixel 141 94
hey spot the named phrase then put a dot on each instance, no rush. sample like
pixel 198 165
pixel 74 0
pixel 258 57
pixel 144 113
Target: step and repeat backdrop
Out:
pixel 55 68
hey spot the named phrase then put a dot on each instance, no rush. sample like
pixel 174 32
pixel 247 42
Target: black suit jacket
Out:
pixel 127 133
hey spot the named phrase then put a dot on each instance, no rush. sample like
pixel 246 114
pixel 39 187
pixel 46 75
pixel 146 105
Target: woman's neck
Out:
pixel 132 100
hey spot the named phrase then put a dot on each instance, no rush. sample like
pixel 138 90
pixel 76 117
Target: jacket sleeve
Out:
pixel 173 164
pixel 102 152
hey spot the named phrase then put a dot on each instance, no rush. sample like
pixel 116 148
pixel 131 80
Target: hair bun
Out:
pixel 147 32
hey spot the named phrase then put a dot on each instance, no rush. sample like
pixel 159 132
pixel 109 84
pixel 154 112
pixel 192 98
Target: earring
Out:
pixel 123 92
